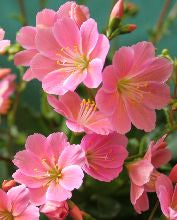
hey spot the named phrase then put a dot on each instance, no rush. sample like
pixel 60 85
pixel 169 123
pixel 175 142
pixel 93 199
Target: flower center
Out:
pixel 87 110
pixel 71 60
pixel 134 91
pixel 153 178
pixel 53 173
pixel 5 215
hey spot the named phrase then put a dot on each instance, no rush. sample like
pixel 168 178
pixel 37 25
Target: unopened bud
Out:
pixel 75 212
pixel 128 28
pixel 8 184
pixel 118 10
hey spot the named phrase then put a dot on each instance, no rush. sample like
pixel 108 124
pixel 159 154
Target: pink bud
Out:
pixel 75 212
pixel 8 184
pixel 132 27
pixel 118 10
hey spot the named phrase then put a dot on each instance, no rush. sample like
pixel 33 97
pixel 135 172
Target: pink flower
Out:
pixel 7 87
pixel 105 155
pixel 3 43
pixel 167 196
pixel 69 55
pixel 15 205
pixel 55 211
pixel 134 86
pixel 45 20
pixel 50 167
pixel 143 173
pixel 81 114
pixel 118 10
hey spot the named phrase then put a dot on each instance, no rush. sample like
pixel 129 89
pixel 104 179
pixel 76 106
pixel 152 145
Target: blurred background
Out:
pixel 101 200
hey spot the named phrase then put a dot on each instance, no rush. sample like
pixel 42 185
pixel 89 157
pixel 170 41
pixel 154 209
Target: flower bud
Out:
pixel 8 184
pixel 118 10
pixel 127 28
pixel 75 212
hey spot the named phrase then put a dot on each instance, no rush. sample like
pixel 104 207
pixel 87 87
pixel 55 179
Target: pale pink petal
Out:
pixel 78 15
pixel 89 34
pixel 135 192
pixel 67 33
pixel 2 33
pixel 103 97
pixel 120 119
pixel 57 193
pixel 164 190
pixel 140 172
pixel 110 79
pixel 101 49
pixel 64 10
pixel 72 177
pixel 157 69
pixel 74 80
pixel 41 66
pixel 46 43
pixel 19 197
pixel 28 75
pixel 53 83
pixel 161 157
pixel 123 61
pixel 173 174
pixel 4 44
pixel 46 18
pixel 26 37
pixel 38 195
pixel 31 212
pixel 74 126
pixel 142 204
pixel 71 155
pixel 4 201
pixel 141 116
pixel 94 74
pixel 24 57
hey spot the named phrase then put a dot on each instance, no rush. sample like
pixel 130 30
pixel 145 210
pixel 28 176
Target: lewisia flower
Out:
pixel 3 43
pixel 15 205
pixel 55 211
pixel 105 155
pixel 134 86
pixel 167 196
pixel 7 87
pixel 45 19
pixel 50 167
pixel 143 173
pixel 70 55
pixel 81 115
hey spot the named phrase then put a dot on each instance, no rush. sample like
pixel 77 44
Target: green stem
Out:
pixel 151 217
pixel 22 12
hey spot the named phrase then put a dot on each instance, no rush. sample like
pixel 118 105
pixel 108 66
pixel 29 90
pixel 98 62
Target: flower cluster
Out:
pixel 65 51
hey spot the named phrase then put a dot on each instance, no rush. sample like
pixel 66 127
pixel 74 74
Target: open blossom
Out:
pixel 55 211
pixel 45 19
pixel 105 155
pixel 167 195
pixel 7 87
pixel 69 55
pixel 15 205
pixel 143 173
pixel 3 43
pixel 134 86
pixel 50 167
pixel 81 115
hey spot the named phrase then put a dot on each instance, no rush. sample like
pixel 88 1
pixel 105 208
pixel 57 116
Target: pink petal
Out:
pixel 4 44
pixel 57 193
pixel 26 37
pixel 140 172
pixel 19 197
pixel 53 83
pixel 64 10
pixel 28 75
pixel 31 212
pixel 161 157
pixel 101 49
pixel 71 177
pixel 135 193
pixel 41 66
pixel 94 74
pixel 46 18
pixel 5 204
pixel 120 119
pixel 158 95
pixel 110 99
pixel 67 33
pixel 141 116
pixel 46 43
pixel 24 57
pixel 2 34
pixel 74 126
pixel 173 174
pixel 89 34
pixel 174 198
pixel 123 61
pixel 38 195
pixel 142 204
pixel 71 155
